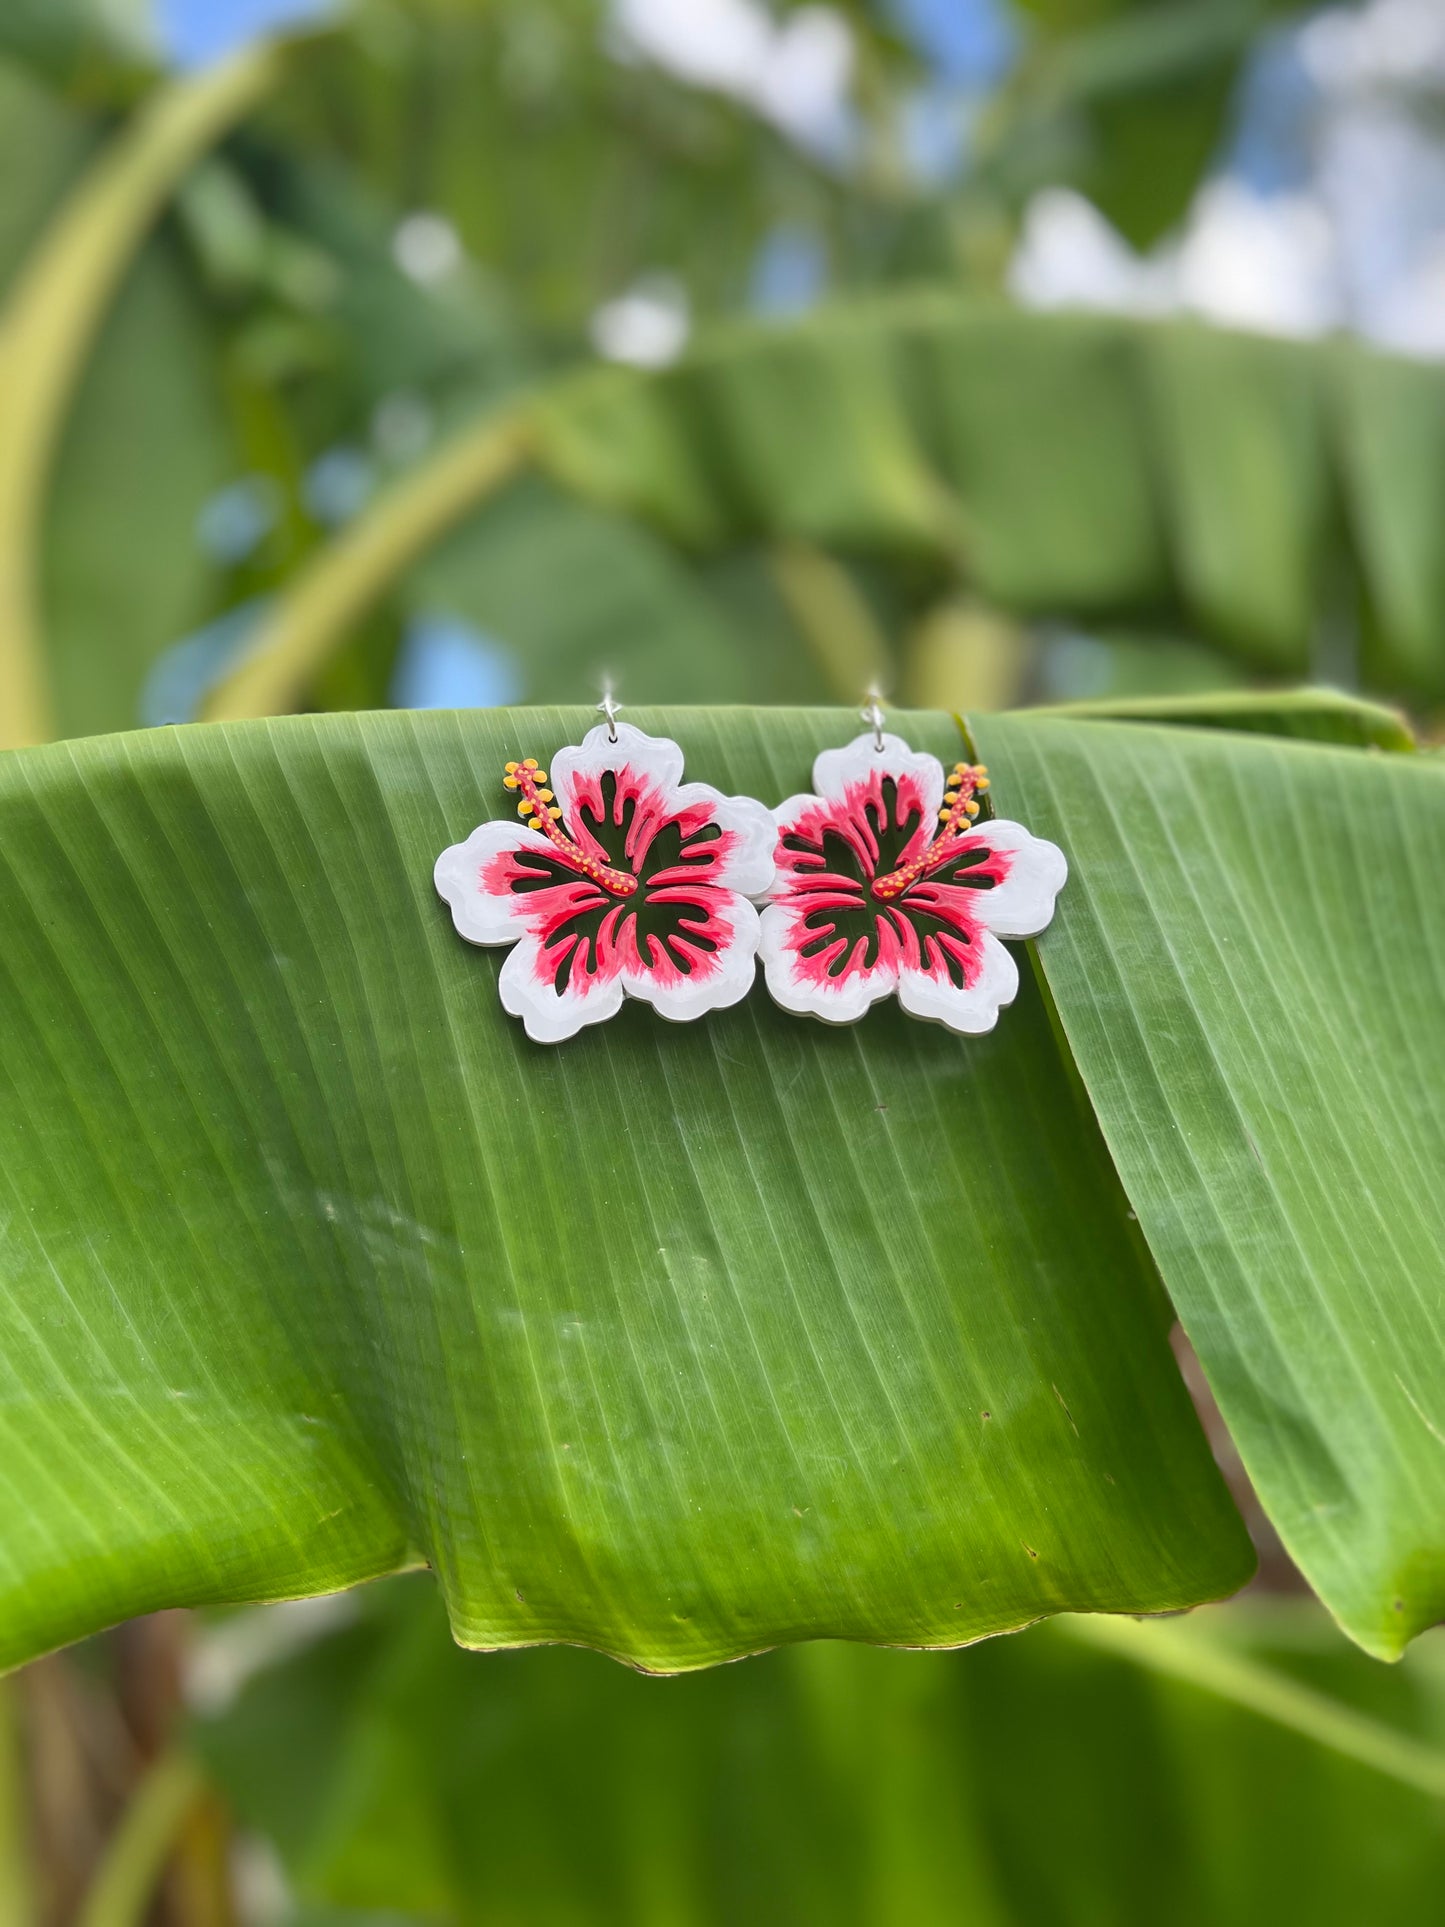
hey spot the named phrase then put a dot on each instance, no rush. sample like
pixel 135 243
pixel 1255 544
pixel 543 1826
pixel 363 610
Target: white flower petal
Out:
pixel 480 916
pixel 682 998
pixel 655 757
pixel 550 1016
pixel 836 770
pixel 748 866
pixel 837 1000
pixel 972 1010
pixel 1023 904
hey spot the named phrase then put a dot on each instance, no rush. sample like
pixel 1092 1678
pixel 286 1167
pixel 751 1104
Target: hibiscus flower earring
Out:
pixel 619 880
pixel 885 883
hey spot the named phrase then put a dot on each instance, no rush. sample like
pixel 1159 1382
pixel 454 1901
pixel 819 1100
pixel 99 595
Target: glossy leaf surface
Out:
pixel 679 1341
pixel 1250 971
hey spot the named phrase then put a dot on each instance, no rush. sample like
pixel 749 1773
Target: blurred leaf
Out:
pixel 1039 427
pixel 124 572
pixel 90 47
pixel 1249 973
pixel 1087 467
pixel 1152 84
pixel 1068 467
pixel 682 1341
pixel 1393 434
pixel 146 442
pixel 1317 715
pixel 124 1888
pixel 53 310
pixel 968 657
pixel 577 595
pixel 1243 429
pixel 387 334
pixel 42 148
pixel 568 172
pixel 17 1874
pixel 833 619
pixel 1025 1781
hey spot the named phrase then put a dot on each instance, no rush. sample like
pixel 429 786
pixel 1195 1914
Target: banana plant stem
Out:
pixel 347 578
pixel 1188 1654
pixel 125 1882
pixel 832 618
pixel 17 1884
pixel 51 321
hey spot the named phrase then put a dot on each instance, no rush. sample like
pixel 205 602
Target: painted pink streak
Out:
pixel 703 860
pixel 650 812
pixel 820 968
pixel 549 909
pixel 852 818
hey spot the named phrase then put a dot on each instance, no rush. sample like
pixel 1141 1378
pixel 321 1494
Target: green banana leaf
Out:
pixel 1249 974
pixel 1315 715
pixel 682 1342
pixel 1030 1782
pixel 1071 465
pixel 679 1341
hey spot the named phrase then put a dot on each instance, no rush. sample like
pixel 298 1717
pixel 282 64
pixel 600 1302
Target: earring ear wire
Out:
pixel 872 714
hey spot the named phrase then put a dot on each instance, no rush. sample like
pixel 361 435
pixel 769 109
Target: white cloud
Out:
pixel 1388 43
pixel 1070 257
pixel 804 84
pixel 1261 261
pixel 1361 245
pixel 426 247
pixel 1381 172
pixel 1245 260
pixel 647 326
pixel 795 72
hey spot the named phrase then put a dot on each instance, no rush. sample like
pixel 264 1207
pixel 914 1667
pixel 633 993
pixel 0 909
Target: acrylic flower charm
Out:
pixel 619 880
pixel 885 883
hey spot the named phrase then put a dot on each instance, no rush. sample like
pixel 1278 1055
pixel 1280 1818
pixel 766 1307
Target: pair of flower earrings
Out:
pixel 617 879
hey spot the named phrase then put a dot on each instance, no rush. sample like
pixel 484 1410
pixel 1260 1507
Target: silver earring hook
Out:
pixel 873 716
pixel 611 709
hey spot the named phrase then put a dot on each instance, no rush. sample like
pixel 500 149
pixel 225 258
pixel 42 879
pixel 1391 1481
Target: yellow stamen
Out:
pixel 542 813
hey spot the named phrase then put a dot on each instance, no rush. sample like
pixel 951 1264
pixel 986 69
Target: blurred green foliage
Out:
pixel 1027 1780
pixel 285 336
